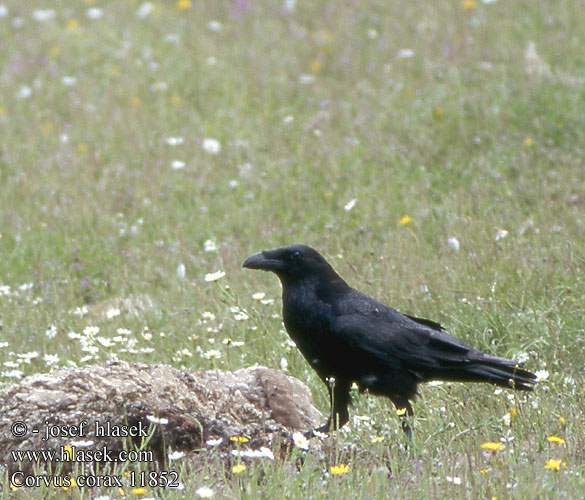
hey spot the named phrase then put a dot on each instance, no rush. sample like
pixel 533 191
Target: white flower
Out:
pixel 306 79
pixel 283 364
pixel 175 455
pixel 263 452
pixel 205 492
pixel 51 331
pixel 405 53
pixel 69 81
pixel 155 420
pixel 44 15
pixel 349 205
pixel 501 234
pixel 209 246
pixel 214 442
pixel 105 342
pixel 453 243
pixel 300 441
pixel 50 359
pixel 290 5
pixel 94 13
pixel 81 444
pixel 181 271
pixel 541 375
pixel 259 296
pixel 144 10
pixel 211 146
pixel 24 92
pixel 208 316
pixel 90 331
pixel 123 331
pixel 214 26
pixel 214 276
pixel 174 141
pixel 177 165
pixel 453 479
pixel 3 11
pixel 212 354
pixel 112 313
pixel 80 311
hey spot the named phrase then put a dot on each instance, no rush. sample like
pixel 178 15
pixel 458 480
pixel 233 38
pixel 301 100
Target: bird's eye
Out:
pixel 296 255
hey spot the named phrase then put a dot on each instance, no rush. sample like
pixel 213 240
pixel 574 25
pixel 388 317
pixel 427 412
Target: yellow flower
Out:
pixel 405 220
pixel 492 446
pixel 239 439
pixel 438 112
pixel 139 491
pixel 401 411
pixel 315 66
pixel 72 485
pixel 377 439
pixel 184 4
pixel 561 421
pixel 556 440
pixel 236 469
pixel 528 142
pixel 554 464
pixel 339 469
pixel 484 471
pixel 469 4
pixel 72 25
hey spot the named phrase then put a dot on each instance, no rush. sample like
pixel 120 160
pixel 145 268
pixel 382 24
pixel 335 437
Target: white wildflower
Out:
pixel 204 492
pixel 156 420
pixel 453 243
pixel 214 276
pixel 501 234
pixel 209 246
pixel 350 204
pixel 51 331
pixel 300 441
pixel 541 375
pixel 175 455
pixel 211 146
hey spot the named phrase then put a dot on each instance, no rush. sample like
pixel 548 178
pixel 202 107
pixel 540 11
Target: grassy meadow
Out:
pixel 432 151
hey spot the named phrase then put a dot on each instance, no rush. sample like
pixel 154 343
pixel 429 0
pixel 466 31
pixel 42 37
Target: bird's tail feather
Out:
pixel 498 371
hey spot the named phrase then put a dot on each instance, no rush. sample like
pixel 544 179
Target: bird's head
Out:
pixel 292 263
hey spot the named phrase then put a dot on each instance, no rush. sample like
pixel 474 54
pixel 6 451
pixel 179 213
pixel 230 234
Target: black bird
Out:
pixel 349 337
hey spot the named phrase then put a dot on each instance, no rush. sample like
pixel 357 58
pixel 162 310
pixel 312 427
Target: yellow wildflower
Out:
pixel 554 464
pixel 236 469
pixel 184 4
pixel 339 469
pixel 405 220
pixel 492 446
pixel 239 439
pixel 528 142
pixel 556 440
pixel 469 4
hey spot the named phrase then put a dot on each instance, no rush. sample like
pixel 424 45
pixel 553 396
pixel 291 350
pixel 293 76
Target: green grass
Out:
pixel 463 137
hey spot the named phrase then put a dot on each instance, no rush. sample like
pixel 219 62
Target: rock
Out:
pixel 181 409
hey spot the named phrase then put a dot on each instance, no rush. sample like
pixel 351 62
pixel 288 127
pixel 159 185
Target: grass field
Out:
pixel 432 151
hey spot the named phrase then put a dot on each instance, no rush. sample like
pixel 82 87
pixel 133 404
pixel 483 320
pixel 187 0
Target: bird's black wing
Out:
pixel 374 329
pixel 388 337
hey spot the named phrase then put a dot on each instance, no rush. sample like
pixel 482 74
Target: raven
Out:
pixel 348 337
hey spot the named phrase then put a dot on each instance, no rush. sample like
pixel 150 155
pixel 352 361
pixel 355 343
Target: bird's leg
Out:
pixel 404 411
pixel 340 399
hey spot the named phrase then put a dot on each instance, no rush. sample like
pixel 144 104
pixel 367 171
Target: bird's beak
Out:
pixel 261 261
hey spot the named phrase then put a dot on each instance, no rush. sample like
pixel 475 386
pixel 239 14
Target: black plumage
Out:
pixel 349 337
